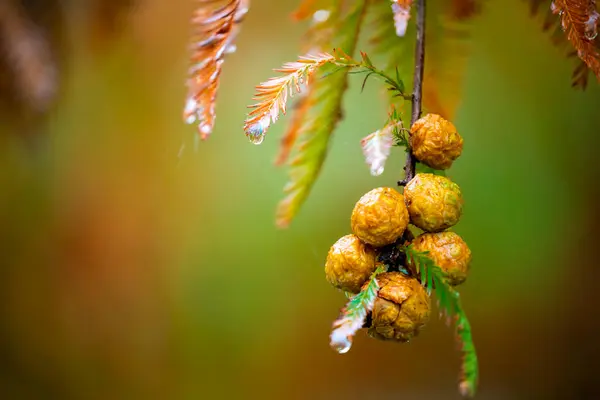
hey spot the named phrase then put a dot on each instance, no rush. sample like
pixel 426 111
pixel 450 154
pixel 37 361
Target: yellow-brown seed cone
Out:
pixel 401 308
pixel 380 217
pixel 434 202
pixel 435 142
pixel 449 252
pixel 350 263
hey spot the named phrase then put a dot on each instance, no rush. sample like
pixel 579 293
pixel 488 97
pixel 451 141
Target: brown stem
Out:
pixel 409 168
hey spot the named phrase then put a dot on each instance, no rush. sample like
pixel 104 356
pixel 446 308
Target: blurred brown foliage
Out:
pixel 33 47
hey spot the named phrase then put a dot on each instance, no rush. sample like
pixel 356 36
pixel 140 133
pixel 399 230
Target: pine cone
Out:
pixel 380 217
pixel 434 202
pixel 435 142
pixel 350 263
pixel 401 308
pixel 449 252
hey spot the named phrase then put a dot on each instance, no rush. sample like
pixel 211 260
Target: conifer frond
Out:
pixel 469 372
pixel 399 132
pixel 395 84
pixel 215 27
pixel 324 109
pixel 273 94
pixel 401 11
pixel 551 23
pixel 377 146
pixel 317 39
pixel 353 316
pixel 579 21
pixel 432 276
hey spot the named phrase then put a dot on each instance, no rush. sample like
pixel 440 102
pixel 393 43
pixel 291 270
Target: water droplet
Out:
pixel 190 119
pixel 591 35
pixel 256 133
pixel 321 16
pixel 205 130
pixel 591 30
pixel 189 110
pixel 231 48
pixel 465 389
pixel 340 342
pixel 341 348
pixel 258 139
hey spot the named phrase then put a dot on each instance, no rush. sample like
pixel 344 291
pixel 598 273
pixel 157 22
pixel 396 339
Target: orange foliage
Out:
pixel 215 30
pixel 579 20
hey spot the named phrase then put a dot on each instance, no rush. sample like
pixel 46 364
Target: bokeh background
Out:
pixel 127 272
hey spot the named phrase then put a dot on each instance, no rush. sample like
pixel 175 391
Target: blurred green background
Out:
pixel 130 273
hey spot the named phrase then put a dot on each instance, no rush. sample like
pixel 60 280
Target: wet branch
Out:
pixel 409 168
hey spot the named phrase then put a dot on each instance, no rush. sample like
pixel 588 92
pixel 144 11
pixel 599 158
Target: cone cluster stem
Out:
pixel 409 168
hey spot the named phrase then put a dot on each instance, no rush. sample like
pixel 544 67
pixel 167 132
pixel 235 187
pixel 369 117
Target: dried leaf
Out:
pixel 215 29
pixel 376 147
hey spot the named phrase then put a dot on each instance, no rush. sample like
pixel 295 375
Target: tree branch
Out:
pixel 409 168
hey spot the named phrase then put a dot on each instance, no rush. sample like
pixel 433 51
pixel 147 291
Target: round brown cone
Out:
pixel 434 202
pixel 448 251
pixel 435 142
pixel 380 217
pixel 350 263
pixel 401 309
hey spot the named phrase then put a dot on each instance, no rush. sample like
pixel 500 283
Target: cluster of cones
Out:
pixel 380 225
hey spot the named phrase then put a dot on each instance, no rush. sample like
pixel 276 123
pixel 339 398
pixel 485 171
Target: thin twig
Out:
pixel 409 168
